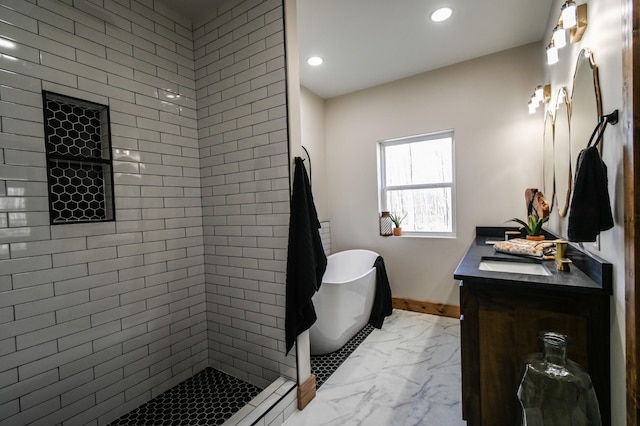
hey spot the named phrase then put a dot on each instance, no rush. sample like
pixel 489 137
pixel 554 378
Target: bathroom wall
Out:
pixel 242 126
pixel 96 319
pixel 313 138
pixel 497 156
pixel 604 37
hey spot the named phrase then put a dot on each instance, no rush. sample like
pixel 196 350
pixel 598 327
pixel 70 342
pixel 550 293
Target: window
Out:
pixel 416 180
pixel 78 147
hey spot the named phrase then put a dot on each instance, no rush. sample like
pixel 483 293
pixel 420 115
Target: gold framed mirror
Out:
pixel 586 103
pixel 548 173
pixel 562 152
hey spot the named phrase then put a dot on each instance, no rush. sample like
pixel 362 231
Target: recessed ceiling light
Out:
pixel 315 60
pixel 441 14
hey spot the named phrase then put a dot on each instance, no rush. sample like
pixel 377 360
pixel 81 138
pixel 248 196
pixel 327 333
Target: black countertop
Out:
pixel 587 274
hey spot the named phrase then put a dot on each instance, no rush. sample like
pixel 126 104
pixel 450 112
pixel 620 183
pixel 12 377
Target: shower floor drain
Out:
pixel 323 366
pixel 208 398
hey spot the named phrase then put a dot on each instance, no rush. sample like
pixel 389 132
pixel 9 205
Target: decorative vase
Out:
pixel 397 231
pixel 555 391
pixel 535 237
pixel 386 224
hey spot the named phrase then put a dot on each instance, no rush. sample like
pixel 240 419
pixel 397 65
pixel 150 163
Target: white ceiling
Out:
pixel 369 42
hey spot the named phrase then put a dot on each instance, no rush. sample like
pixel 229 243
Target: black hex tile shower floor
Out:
pixel 211 396
pixel 208 398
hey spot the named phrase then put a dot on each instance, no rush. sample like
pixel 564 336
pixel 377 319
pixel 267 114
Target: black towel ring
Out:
pixel 602 124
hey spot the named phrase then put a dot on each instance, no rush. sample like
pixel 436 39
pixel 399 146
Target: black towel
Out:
pixel 382 303
pixel 590 211
pixel 306 260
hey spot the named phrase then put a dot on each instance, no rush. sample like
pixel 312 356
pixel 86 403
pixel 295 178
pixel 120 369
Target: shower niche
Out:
pixel 79 166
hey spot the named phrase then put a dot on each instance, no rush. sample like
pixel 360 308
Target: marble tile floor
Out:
pixel 407 373
pixel 323 366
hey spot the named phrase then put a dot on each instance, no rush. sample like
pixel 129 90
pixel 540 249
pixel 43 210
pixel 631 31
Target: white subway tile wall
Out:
pixel 325 236
pixel 242 129
pixel 96 319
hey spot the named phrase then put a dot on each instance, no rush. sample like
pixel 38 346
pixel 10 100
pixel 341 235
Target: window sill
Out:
pixel 427 236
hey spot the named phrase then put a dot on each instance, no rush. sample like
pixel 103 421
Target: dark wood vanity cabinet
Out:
pixel 500 322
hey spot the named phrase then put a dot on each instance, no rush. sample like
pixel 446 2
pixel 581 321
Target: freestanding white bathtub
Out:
pixel 343 303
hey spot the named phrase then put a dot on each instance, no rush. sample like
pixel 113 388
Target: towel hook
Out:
pixel 309 157
pixel 610 118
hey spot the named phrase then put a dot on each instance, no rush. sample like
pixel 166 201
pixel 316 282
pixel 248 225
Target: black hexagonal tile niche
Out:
pixel 208 398
pixel 74 130
pixel 76 191
pixel 79 160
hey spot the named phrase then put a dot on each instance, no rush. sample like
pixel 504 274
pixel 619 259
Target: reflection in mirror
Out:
pixel 562 152
pixel 586 103
pixel 547 161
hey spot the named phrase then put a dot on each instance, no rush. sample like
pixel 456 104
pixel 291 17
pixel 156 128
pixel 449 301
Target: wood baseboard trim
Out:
pixel 306 392
pixel 425 307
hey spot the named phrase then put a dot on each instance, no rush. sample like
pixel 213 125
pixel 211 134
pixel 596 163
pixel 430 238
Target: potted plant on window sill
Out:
pixel 534 226
pixel 397 221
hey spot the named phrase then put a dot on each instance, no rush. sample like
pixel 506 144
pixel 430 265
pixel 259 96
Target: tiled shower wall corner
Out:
pixel 95 319
pixel 325 236
pixel 242 126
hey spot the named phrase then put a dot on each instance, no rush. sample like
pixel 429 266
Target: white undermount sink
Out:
pixel 513 267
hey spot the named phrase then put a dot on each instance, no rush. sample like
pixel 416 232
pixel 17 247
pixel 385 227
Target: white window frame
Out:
pixel 383 188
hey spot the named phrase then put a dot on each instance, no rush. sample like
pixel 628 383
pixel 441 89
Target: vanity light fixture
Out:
pixel 441 14
pixel 577 30
pixel 541 96
pixel 572 20
pixel 543 93
pixel 315 60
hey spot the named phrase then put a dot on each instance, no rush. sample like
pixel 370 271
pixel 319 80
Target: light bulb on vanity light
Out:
pixel 532 108
pixel 559 37
pixel 552 54
pixel 568 15
pixel 534 100
pixel 539 93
